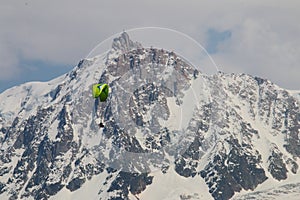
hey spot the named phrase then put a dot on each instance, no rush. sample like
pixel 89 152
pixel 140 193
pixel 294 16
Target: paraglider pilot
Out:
pixel 100 92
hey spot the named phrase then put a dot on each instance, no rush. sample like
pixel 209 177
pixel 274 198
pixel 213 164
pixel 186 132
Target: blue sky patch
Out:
pixel 36 70
pixel 214 38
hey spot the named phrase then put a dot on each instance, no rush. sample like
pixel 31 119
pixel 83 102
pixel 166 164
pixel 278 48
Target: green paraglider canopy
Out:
pixel 100 90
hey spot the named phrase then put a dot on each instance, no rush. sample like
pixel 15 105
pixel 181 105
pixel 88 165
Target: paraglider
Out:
pixel 100 92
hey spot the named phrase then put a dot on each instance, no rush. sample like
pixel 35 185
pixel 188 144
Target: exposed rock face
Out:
pixel 247 132
pixel 230 172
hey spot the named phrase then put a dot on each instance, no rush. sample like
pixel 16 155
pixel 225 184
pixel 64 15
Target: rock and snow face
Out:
pixel 170 133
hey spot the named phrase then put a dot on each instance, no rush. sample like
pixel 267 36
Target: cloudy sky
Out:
pixel 42 39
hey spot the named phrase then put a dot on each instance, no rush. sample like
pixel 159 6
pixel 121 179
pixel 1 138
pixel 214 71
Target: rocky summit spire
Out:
pixel 121 45
pixel 124 43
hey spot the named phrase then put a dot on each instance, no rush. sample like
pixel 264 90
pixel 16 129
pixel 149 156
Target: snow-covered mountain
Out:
pixel 170 132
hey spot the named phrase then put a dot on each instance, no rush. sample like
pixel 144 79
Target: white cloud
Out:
pixel 8 63
pixel 265 34
pixel 259 49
